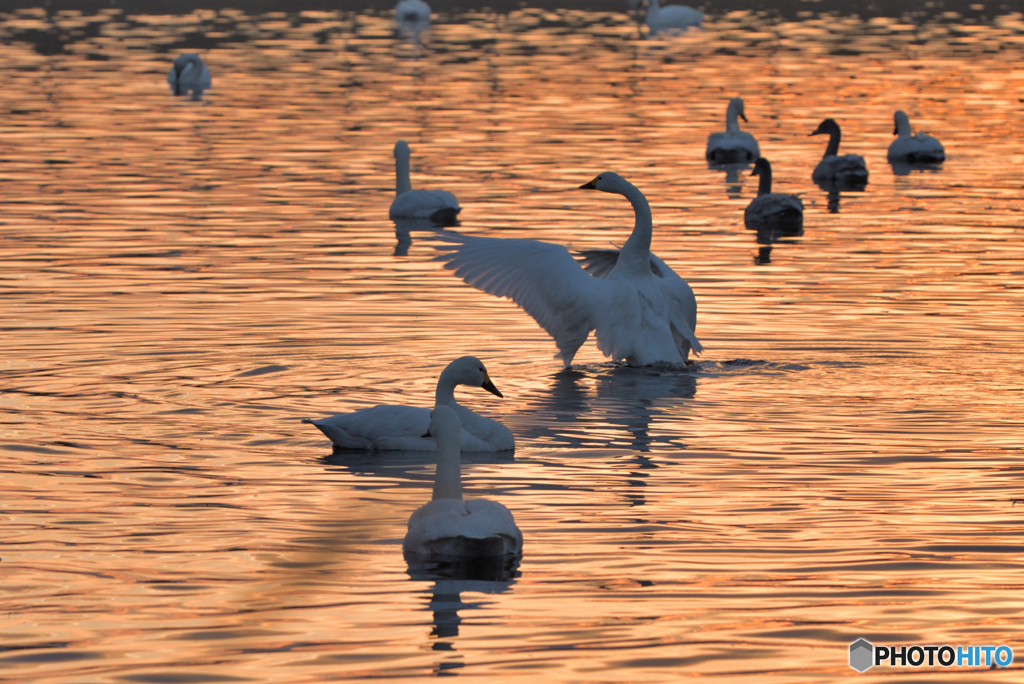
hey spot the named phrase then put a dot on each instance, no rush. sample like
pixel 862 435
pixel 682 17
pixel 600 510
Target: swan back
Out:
pixel 913 148
pixel 671 17
pixel 189 73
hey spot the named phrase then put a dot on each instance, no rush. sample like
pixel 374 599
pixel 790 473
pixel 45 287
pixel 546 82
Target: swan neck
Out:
pixel 902 126
pixel 448 476
pixel 638 247
pixel 402 182
pixel 444 395
pixel 732 123
pixel 833 142
pixel 764 186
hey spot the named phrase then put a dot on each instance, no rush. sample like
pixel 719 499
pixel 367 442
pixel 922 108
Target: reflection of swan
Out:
pixel 446 527
pixel 402 428
pixel 404 229
pixel 189 74
pixel 641 310
pixel 437 205
pixel 916 148
pixel 671 18
pixel 733 146
pixel 775 211
pixel 848 171
pixel 412 17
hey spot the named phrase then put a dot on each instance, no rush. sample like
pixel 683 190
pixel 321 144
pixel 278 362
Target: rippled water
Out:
pixel 183 281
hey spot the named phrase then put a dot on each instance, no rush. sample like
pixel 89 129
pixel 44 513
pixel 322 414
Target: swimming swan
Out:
pixel 671 18
pixel 848 171
pixel 733 146
pixel 402 428
pixel 446 527
pixel 439 206
pixel 776 211
pixel 641 310
pixel 189 73
pixel 412 17
pixel 916 148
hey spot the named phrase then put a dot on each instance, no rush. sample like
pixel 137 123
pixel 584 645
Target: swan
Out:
pixel 189 73
pixel 914 148
pixel 848 170
pixel 776 211
pixel 402 428
pixel 671 18
pixel 641 310
pixel 439 206
pixel 733 146
pixel 412 17
pixel 446 527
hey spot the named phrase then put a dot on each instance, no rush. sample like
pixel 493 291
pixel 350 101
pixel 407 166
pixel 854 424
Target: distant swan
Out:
pixel 671 18
pixel 412 17
pixel 448 528
pixel 847 171
pixel 402 428
pixel 640 309
pixel 775 211
pixel 916 148
pixel 733 146
pixel 439 206
pixel 189 73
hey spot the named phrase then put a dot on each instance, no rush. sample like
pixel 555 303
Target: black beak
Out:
pixel 816 132
pixel 592 185
pixel 489 386
pixel 743 116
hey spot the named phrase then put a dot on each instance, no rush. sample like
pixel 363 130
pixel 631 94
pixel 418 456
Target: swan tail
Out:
pixel 340 438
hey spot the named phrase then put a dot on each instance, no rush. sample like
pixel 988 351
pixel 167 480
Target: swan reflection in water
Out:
pixel 404 228
pixel 733 178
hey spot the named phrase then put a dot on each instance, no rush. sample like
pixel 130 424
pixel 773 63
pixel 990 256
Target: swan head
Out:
pixel 828 126
pixel 469 370
pixel 902 123
pixel 736 105
pixel 761 166
pixel 608 182
pixel 402 150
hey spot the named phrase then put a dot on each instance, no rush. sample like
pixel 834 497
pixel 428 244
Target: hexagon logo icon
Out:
pixel 862 655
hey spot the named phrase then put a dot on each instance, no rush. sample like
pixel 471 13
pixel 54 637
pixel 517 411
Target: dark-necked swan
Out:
pixel 671 18
pixel 848 170
pixel 448 528
pixel 402 428
pixel 776 211
pixel 189 73
pixel 732 146
pixel 412 17
pixel 641 310
pixel 914 148
pixel 439 206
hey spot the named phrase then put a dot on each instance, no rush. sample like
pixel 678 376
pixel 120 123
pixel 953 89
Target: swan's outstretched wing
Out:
pixel 598 262
pixel 540 277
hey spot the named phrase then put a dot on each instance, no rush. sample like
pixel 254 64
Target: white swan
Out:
pixel 439 206
pixel 641 310
pixel 412 17
pixel 776 211
pixel 189 73
pixel 916 148
pixel 402 428
pixel 733 146
pixel 848 170
pixel 671 18
pixel 447 527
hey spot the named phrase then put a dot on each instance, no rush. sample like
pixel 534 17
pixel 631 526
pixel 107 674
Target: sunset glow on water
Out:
pixel 182 282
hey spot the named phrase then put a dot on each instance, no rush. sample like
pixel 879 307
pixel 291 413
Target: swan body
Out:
pixel 848 170
pixel 439 206
pixel 914 148
pixel 412 17
pixel 449 528
pixel 776 211
pixel 641 310
pixel 404 428
pixel 671 18
pixel 732 146
pixel 189 73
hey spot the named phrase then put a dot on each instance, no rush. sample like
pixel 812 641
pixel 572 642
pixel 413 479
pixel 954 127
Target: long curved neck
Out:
pixel 764 186
pixel 732 115
pixel 653 8
pixel 444 395
pixel 402 182
pixel 448 476
pixel 636 253
pixel 902 125
pixel 833 142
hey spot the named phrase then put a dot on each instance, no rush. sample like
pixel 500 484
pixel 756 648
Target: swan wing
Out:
pixel 542 278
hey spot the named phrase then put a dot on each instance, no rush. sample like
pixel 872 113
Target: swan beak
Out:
pixel 744 117
pixel 816 132
pixel 592 185
pixel 489 386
